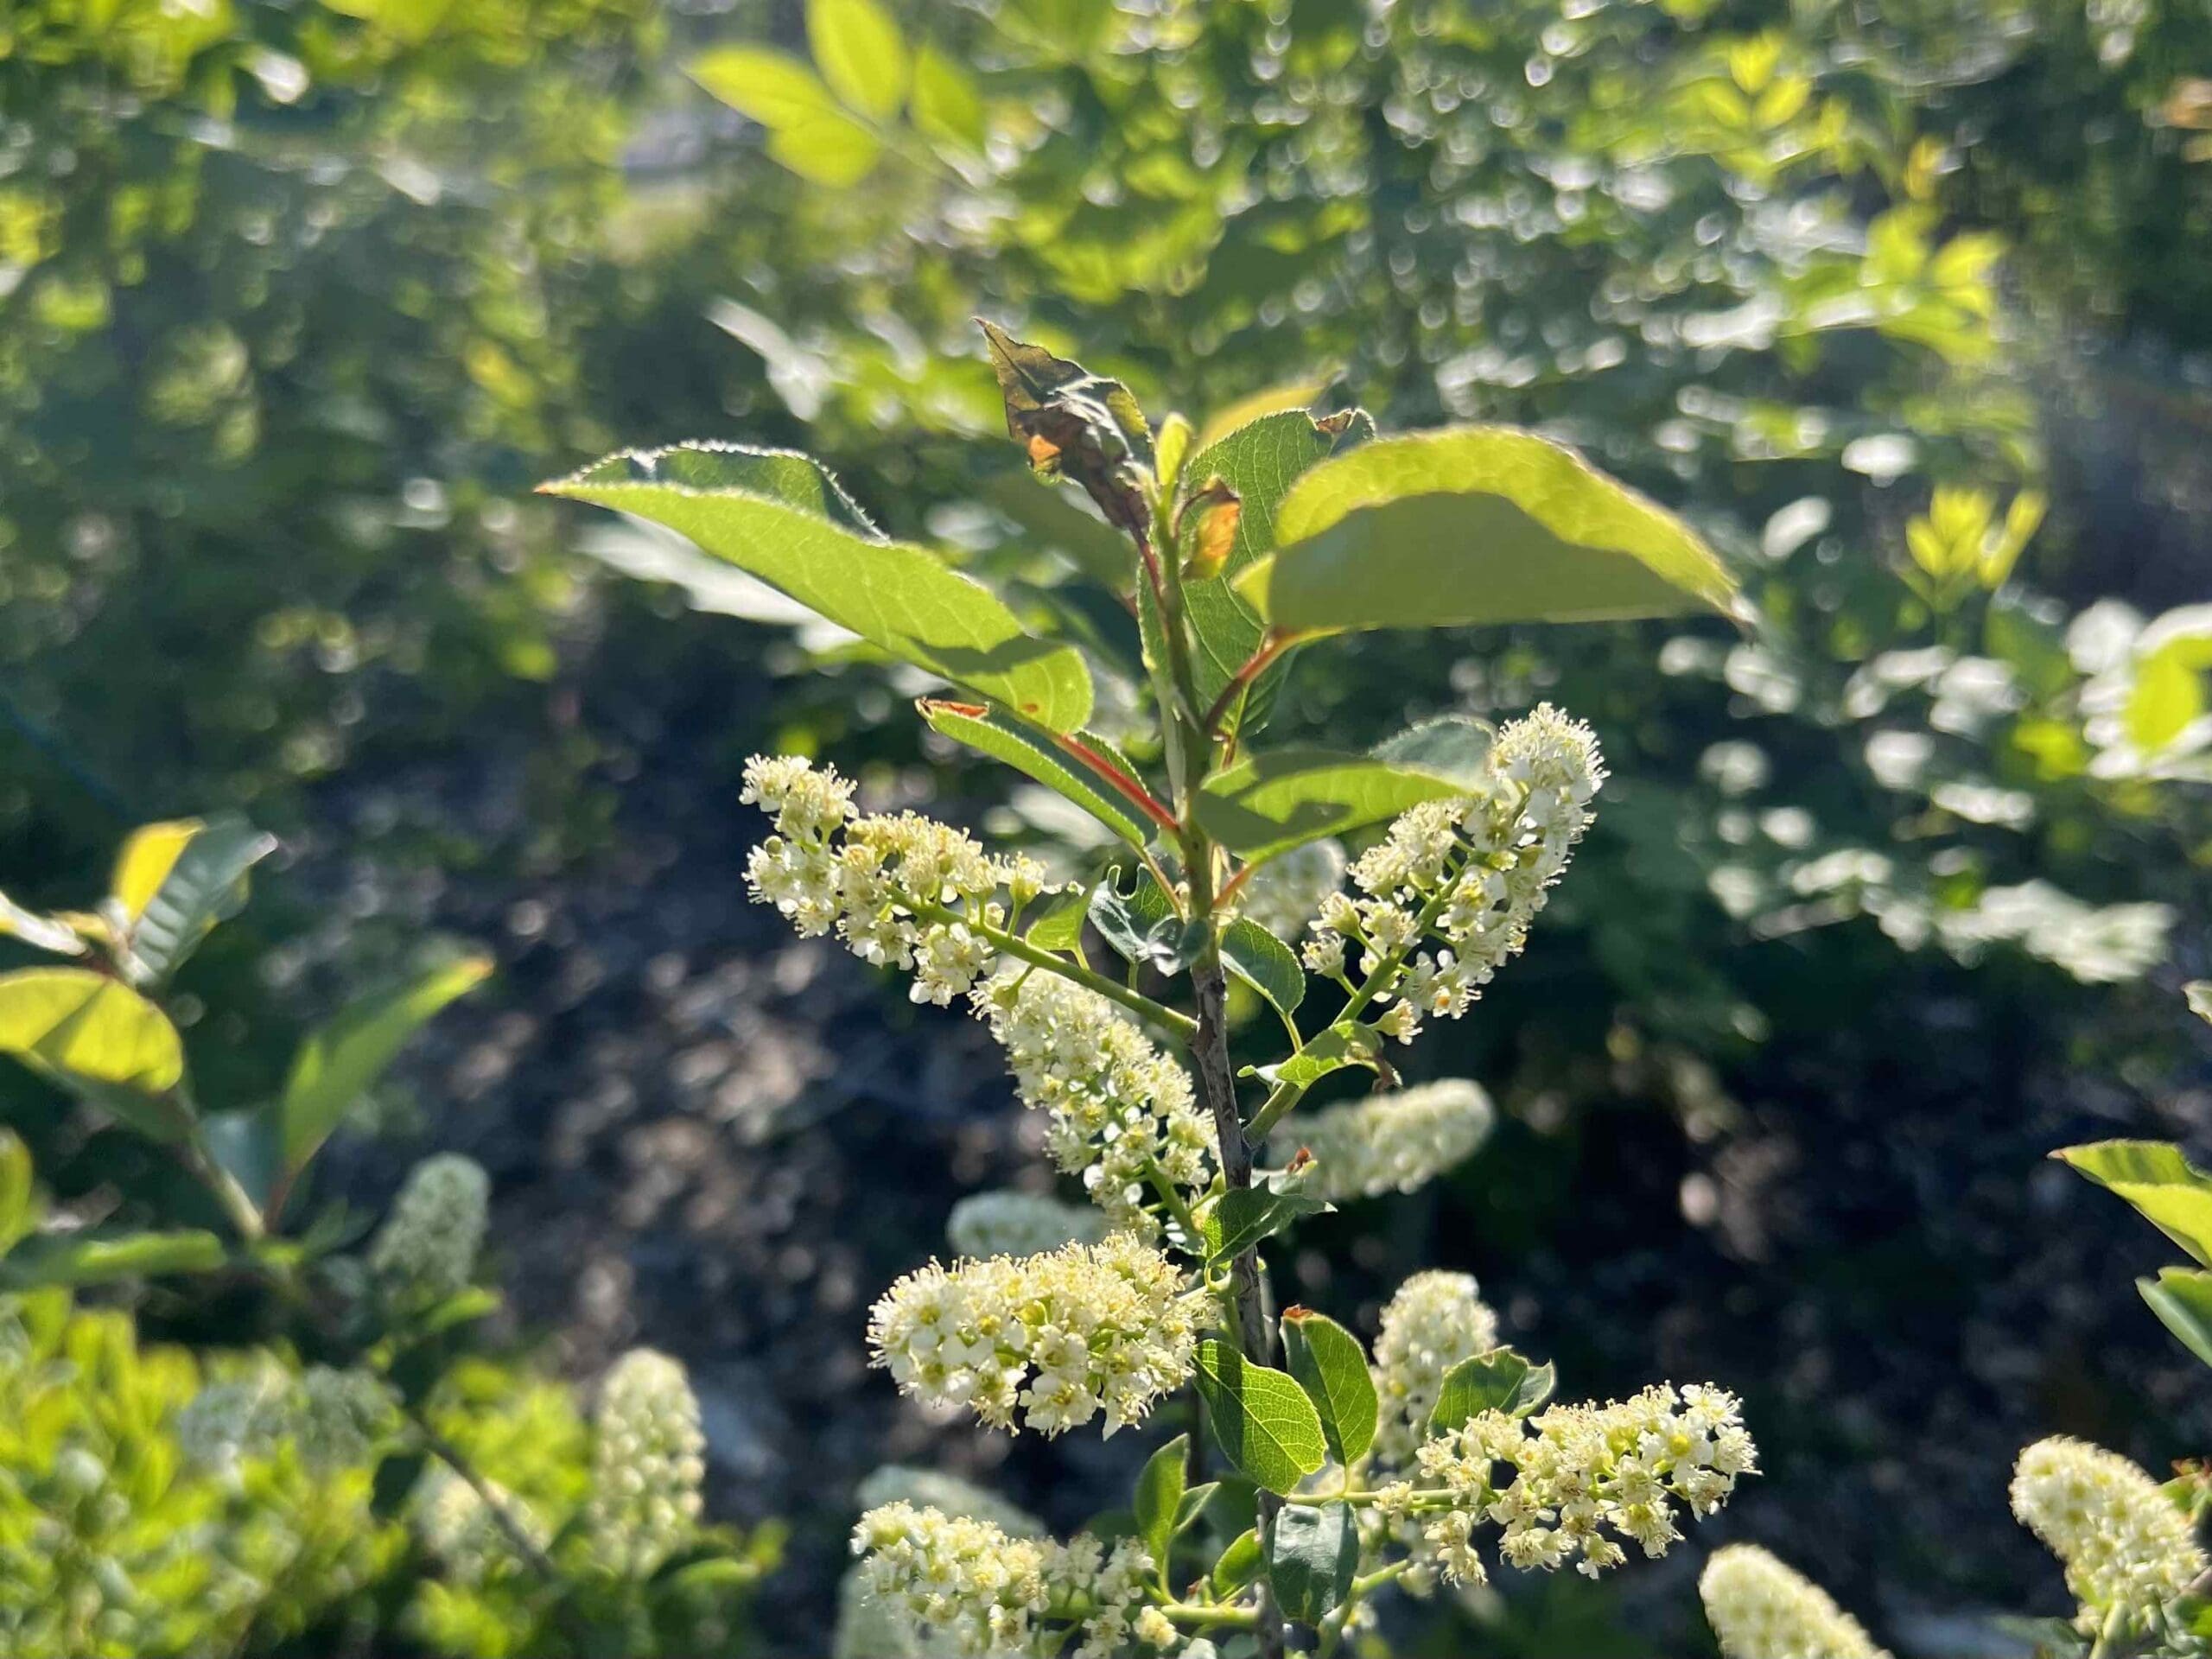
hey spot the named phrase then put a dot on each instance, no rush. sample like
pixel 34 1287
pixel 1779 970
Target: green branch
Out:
pixel 1180 1026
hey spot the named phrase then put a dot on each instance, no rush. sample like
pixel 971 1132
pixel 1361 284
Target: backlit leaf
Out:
pixel 783 518
pixel 1475 525
pixel 2171 1193
pixel 1261 1418
pixel 861 53
pixel 1330 1365
pixel 1077 778
pixel 338 1061
pixel 1272 802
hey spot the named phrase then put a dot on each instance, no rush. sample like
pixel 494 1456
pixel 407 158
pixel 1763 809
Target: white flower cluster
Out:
pixel 1435 1320
pixel 647 1463
pixel 1394 1142
pixel 457 1526
pixel 333 1417
pixel 1471 873
pixel 1063 1336
pixel 873 879
pixel 426 1249
pixel 1577 1470
pixel 2125 1545
pixel 1761 1609
pixel 1006 1222
pixel 976 1591
pixel 1118 1106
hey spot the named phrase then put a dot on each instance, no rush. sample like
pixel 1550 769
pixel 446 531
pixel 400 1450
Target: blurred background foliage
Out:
pixel 1905 305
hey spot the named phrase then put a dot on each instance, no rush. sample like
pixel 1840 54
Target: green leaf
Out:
pixel 2182 1298
pixel 2171 1193
pixel 862 54
pixel 1264 963
pixel 1245 1215
pixel 1193 1505
pixel 1074 777
pixel 772 88
pixel 1239 1565
pixel 1261 1420
pixel 1331 1367
pixel 1345 1044
pixel 1475 525
pixel 1159 1498
pixel 1497 1381
pixel 87 1258
pixel 174 887
pixel 947 109
pixel 1313 1555
pixel 98 1036
pixel 833 150
pixel 1059 925
pixel 1142 926
pixel 1270 803
pixel 738 505
pixel 19 1205
pixel 341 1059
pixel 1260 460
pixel 1451 745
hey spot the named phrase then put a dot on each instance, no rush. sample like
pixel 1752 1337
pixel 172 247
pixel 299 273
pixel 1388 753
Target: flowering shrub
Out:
pixel 362 1477
pixel 1322 1479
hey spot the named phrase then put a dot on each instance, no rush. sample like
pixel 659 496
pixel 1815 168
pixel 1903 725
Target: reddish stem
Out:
pixel 1273 644
pixel 1141 797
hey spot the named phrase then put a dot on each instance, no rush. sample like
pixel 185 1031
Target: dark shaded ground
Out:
pixel 707 1135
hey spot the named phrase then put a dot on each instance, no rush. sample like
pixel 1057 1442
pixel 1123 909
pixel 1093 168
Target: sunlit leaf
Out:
pixel 340 1061
pixel 1261 1420
pixel 97 1259
pixel 1500 1380
pixel 947 109
pixel 832 150
pixel 1330 1365
pixel 202 881
pixel 780 518
pixel 1158 1500
pixel 2182 1298
pixel 861 53
pixel 1475 525
pixel 1248 1216
pixel 1274 801
pixel 1080 777
pixel 1260 461
pixel 2172 1194
pixel 772 88
pixel 88 1030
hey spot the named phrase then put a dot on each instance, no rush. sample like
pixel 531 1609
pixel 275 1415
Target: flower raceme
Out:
pixel 1120 1110
pixel 1122 1113
pixel 1060 1336
pixel 978 1591
pixel 1005 1222
pixel 1469 874
pixel 2127 1548
pixel 647 1463
pixel 1435 1320
pixel 876 879
pixel 1578 1474
pixel 1395 1142
pixel 1761 1609
pixel 426 1250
